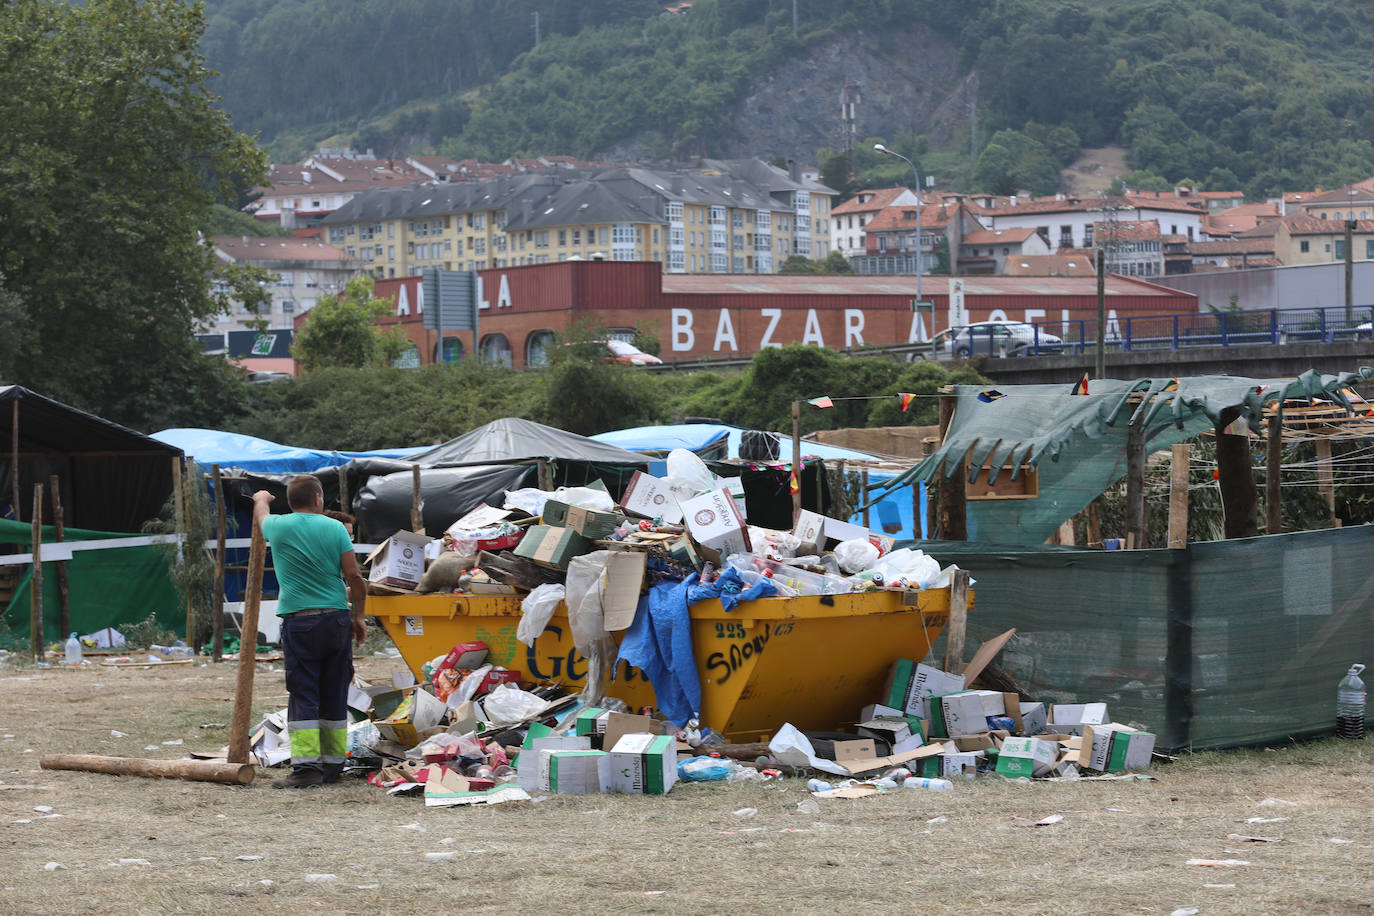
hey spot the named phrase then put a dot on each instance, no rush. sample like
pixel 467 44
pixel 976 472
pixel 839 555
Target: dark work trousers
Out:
pixel 319 667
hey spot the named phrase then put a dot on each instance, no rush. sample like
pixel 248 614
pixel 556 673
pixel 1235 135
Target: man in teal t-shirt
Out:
pixel 313 557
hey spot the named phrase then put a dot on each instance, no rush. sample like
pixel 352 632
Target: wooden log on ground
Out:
pixel 233 774
pixel 737 751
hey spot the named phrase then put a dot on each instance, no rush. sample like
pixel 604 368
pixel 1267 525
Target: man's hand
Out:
pixel 359 627
pixel 263 496
pixel 262 506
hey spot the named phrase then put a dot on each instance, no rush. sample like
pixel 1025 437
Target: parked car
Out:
pixel 991 338
pixel 615 351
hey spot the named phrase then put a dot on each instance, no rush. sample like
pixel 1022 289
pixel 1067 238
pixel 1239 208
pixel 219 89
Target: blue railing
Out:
pixel 1173 332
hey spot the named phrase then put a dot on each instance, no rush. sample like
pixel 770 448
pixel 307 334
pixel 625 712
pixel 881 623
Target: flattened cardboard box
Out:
pixel 551 547
pixel 650 497
pixel 621 585
pixel 399 561
pixel 413 711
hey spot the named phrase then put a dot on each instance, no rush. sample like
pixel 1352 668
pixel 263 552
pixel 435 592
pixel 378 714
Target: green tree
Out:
pixel 111 159
pixel 342 331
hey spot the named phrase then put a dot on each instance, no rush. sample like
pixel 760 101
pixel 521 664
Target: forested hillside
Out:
pixel 1224 93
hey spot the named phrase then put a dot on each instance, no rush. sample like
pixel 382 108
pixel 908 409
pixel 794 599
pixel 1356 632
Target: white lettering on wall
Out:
pixel 997 315
pixel 1034 315
pixel 1113 326
pixel 503 294
pixel 482 302
pixel 812 334
pixel 773 316
pixel 684 338
pixel 918 333
pixel 402 301
pixel 1064 319
pixel 725 332
pixel 853 328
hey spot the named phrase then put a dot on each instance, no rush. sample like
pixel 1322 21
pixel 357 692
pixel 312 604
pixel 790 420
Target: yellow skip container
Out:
pixel 812 661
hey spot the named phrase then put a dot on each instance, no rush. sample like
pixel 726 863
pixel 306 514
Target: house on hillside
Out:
pixel 305 269
pixel 297 196
pixel 1352 201
pixel 1064 221
pixel 891 244
pixel 985 251
pixel 1133 249
pixel 1311 240
pixel 849 219
pixel 1066 262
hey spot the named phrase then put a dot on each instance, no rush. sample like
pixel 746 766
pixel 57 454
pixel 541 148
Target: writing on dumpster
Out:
pixel 726 663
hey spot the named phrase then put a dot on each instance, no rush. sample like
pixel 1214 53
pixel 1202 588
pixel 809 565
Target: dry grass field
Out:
pixel 132 846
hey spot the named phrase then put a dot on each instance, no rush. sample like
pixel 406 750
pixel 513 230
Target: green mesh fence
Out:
pixel 107 588
pixel 1223 644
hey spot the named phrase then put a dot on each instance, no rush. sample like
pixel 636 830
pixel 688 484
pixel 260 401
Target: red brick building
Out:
pixel 695 316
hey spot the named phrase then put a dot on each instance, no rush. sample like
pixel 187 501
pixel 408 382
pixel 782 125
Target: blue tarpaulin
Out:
pixel 261 456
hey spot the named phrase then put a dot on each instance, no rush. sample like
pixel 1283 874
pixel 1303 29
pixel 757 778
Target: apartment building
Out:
pixel 304 270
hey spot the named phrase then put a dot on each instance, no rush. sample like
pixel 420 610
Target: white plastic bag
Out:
pixel 586 618
pixel 586 497
pixel 856 555
pixel 509 705
pixel 536 610
pixel 528 500
pixel 688 471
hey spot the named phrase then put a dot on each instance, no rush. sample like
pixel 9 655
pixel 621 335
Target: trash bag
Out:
pixel 586 616
pixel 856 555
pixel 586 497
pixel 687 470
pixel 536 610
pixel 508 705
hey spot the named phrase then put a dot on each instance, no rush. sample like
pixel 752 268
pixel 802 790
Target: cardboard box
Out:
pixel 552 547
pixel 879 711
pixel 570 772
pixel 1026 757
pixel 620 724
pixel 1111 748
pixel 466 655
pixel 399 561
pixel 651 497
pixel 910 685
pixel 1071 717
pixel 1033 718
pixel 821 531
pixel 642 764
pixel 953 765
pixel 400 715
pixel 967 712
pixel 715 522
pixel 591 722
pixel 527 764
pixel 590 523
pixel 897 731
pixel 621 585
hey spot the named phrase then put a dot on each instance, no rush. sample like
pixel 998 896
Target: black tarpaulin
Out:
pixel 112 478
pixel 446 494
pixel 513 440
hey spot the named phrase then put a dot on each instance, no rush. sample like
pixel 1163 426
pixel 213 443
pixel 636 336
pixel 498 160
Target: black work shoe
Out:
pixel 299 779
pixel 333 773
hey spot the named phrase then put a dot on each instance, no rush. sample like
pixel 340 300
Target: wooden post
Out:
pixel 248 650
pixel 1326 485
pixel 1273 462
pixel 1100 361
pixel 417 522
pixel 1137 531
pixel 958 622
pixel 14 459
pixel 217 599
pixel 1239 500
pixel 545 474
pixel 1064 536
pixel 179 508
pixel 953 495
pixel 1178 496
pixel 842 508
pixel 64 609
pixel 1094 526
pixel 36 583
pixel 796 460
pixel 345 504
pixel 932 485
pixel 234 774
pixel 863 487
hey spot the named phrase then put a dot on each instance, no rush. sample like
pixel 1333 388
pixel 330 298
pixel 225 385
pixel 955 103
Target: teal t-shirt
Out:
pixel 306 547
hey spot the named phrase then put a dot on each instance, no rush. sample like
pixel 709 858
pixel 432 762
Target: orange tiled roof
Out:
pixel 1238 219
pixel 998 236
pixel 1311 225
pixel 251 248
pixel 1049 265
pixel 933 216
pixel 877 200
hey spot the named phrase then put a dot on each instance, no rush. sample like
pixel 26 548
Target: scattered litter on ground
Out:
pixel 320 878
pixel 1242 838
pixel 54 866
pixel 1217 863
pixel 1277 803
pixel 134 862
pixel 249 858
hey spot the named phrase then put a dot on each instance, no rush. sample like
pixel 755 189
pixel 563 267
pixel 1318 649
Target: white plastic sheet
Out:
pixel 793 748
pixel 536 610
pixel 586 616
pixel 509 705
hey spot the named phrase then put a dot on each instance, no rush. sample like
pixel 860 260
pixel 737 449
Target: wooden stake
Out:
pixel 953 490
pixel 545 474
pixel 958 622
pixel 1065 534
pixel 234 774
pixel 36 583
pixel 863 486
pixel 417 522
pixel 1178 496
pixel 1236 479
pixel 1137 533
pixel 217 599
pixel 1273 461
pixel 14 459
pixel 796 460
pixel 248 650
pixel 1326 485
pixel 345 504
pixel 1094 526
pixel 64 609
pixel 179 508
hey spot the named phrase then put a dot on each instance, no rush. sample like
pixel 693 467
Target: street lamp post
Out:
pixel 917 178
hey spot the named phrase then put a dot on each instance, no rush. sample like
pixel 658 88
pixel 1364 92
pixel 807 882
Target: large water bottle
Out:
pixel 1350 704
pixel 923 782
pixel 74 657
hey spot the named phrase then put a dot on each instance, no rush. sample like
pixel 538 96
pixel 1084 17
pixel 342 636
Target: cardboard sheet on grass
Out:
pixel 108 588
pixel 1084 437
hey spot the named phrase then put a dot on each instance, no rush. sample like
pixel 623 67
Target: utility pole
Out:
pixel 973 128
pixel 849 101
pixel 794 18
pixel 536 28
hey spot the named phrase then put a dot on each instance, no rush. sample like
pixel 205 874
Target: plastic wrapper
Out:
pixel 782 545
pixel 528 500
pixel 362 737
pixel 447 746
pixel 704 769
pixel 856 555
pixel 913 567
pixel 448 681
pixel 536 610
pixel 687 471
pixel 507 705
pixel 586 497
pixel 586 616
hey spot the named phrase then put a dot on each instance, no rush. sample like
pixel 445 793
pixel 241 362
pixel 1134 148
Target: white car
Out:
pixel 991 338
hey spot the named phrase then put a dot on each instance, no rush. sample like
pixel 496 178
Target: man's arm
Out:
pixel 262 501
pixel 357 593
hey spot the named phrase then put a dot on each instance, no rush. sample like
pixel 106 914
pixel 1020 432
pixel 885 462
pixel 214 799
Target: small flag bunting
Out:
pixel 992 394
pixel 821 402
pixel 906 400
pixel 794 482
pixel 1081 387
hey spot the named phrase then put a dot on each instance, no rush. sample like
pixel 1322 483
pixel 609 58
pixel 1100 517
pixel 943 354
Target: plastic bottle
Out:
pixel 818 785
pixel 1350 699
pixel 924 782
pixel 74 656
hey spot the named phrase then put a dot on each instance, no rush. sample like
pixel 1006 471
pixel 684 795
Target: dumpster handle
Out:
pixel 453 611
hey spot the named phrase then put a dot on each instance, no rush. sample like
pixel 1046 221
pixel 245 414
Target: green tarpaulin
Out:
pixel 108 588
